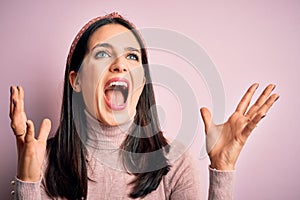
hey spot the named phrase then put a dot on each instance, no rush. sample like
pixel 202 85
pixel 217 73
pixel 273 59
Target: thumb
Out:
pixel 206 116
pixel 212 131
pixel 44 130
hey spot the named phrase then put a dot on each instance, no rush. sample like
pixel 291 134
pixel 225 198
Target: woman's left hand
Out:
pixel 224 142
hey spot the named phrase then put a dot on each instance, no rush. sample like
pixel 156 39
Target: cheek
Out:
pixel 91 76
pixel 138 78
pixel 93 71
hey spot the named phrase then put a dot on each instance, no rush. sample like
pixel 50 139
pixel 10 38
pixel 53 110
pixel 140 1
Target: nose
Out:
pixel 119 66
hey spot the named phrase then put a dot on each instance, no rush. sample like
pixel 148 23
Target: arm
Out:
pixel 186 181
pixel 27 190
pixel 224 142
pixel 31 150
pixel 220 184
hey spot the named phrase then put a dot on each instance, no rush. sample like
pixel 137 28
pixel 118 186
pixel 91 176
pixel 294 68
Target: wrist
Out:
pixel 26 178
pixel 223 162
pixel 222 166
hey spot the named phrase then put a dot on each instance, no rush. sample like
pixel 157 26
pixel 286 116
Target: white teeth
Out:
pixel 118 83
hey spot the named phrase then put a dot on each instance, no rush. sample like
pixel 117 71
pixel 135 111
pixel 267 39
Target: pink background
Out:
pixel 249 41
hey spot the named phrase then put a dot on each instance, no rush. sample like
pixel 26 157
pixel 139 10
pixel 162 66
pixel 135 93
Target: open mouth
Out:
pixel 116 93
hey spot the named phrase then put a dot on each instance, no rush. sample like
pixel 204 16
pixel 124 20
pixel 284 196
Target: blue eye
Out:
pixel 133 57
pixel 102 54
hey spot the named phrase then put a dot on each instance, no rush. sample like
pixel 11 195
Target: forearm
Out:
pixel 220 184
pixel 27 190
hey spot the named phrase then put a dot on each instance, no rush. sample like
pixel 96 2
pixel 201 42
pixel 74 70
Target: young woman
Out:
pixel 109 144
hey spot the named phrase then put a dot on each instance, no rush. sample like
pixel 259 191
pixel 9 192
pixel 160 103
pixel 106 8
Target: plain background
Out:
pixel 249 41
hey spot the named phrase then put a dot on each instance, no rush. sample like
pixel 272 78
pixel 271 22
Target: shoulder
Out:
pixel 179 156
pixel 184 174
pixel 183 163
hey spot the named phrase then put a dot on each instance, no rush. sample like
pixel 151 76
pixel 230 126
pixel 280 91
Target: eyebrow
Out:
pixel 132 49
pixel 107 45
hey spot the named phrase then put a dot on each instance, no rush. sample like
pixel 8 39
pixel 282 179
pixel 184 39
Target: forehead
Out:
pixel 114 34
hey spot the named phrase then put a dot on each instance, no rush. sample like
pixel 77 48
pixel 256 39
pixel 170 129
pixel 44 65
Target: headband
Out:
pixel 87 25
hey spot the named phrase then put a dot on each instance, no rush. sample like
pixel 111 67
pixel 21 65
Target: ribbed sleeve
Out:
pixel 27 190
pixel 221 184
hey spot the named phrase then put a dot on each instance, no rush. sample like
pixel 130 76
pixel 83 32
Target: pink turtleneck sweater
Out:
pixel 108 179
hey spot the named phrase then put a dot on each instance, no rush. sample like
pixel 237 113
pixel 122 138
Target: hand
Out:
pixel 31 151
pixel 224 142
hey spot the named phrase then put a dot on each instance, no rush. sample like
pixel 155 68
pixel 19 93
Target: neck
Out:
pixel 103 136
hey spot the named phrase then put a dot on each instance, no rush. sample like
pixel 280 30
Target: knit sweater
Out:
pixel 108 179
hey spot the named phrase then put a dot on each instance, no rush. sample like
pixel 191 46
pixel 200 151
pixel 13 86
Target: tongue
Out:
pixel 115 97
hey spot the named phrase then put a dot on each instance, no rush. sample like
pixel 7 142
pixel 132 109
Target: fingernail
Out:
pixel 276 98
pixel 263 116
pixel 274 86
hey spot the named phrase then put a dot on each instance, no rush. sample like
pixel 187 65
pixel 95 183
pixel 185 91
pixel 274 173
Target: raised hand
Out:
pixel 31 151
pixel 224 142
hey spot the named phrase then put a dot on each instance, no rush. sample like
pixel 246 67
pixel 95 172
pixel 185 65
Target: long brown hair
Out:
pixel 66 174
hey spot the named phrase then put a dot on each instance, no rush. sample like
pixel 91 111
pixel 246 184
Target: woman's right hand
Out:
pixel 31 151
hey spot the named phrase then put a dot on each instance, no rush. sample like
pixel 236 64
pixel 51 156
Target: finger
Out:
pixel 206 116
pixel 17 114
pixel 44 130
pixel 253 123
pixel 19 127
pixel 268 104
pixel 19 134
pixel 11 103
pixel 245 101
pixel 29 137
pixel 261 113
pixel 19 100
pixel 21 92
pixel 261 100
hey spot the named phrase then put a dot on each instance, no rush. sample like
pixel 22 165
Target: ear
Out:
pixel 74 81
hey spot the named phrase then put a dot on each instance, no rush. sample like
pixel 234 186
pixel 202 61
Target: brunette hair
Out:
pixel 66 173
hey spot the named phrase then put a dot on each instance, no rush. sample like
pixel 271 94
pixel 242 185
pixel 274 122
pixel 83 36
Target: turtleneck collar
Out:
pixel 103 144
pixel 104 137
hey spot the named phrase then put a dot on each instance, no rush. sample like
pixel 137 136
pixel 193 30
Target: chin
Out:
pixel 115 118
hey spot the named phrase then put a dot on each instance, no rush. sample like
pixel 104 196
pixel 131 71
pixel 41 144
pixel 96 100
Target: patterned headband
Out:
pixel 87 25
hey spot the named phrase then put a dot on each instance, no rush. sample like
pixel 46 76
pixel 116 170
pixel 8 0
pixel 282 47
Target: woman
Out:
pixel 109 144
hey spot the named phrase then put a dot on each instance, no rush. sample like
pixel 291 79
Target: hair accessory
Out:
pixel 86 26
